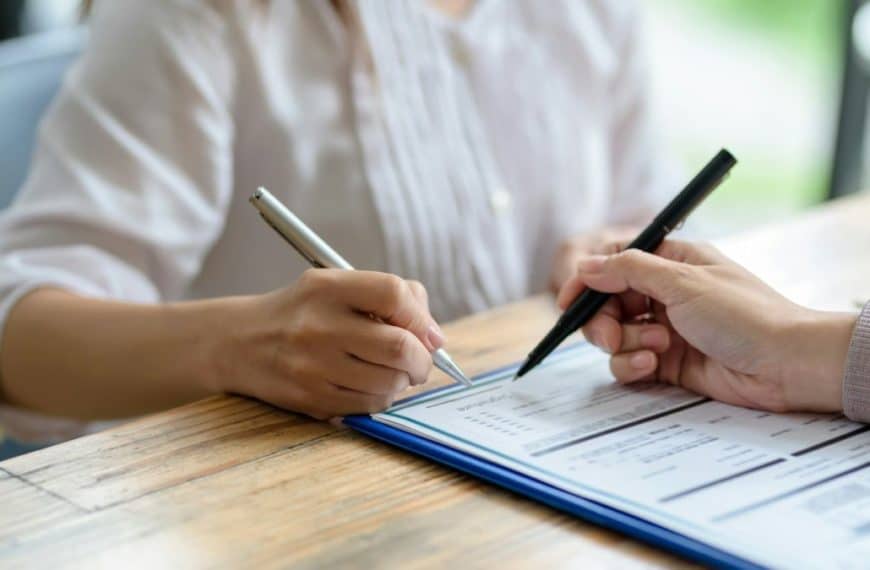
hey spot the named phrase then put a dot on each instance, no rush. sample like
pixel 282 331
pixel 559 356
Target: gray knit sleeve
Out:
pixel 856 379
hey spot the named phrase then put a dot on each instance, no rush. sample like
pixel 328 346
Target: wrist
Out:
pixel 213 331
pixel 818 344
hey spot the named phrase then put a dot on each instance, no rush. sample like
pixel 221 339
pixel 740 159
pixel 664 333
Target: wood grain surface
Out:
pixel 229 482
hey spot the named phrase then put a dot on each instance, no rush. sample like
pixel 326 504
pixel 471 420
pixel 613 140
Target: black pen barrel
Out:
pixel 578 314
pixel 590 302
pixel 698 188
pixel 585 307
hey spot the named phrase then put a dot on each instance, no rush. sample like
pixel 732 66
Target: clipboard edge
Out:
pixel 585 509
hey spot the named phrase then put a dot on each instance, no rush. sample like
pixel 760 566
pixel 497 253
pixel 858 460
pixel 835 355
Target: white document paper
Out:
pixel 780 490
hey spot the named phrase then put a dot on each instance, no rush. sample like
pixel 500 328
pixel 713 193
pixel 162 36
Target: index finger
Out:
pixel 391 299
pixel 693 253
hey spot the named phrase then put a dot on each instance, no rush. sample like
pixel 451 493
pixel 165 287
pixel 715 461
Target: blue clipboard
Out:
pixel 575 505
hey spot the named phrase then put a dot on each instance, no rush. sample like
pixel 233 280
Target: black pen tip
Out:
pixel 523 369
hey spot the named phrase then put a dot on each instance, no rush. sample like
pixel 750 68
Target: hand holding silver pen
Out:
pixel 319 254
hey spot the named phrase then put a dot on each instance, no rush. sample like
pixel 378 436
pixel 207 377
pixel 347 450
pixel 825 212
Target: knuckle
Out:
pixel 314 281
pixel 628 256
pixel 417 357
pixel 292 368
pixel 418 289
pixel 398 382
pixel 310 277
pixel 399 345
pixel 389 382
pixel 620 260
pixel 376 404
pixel 394 291
pixel 420 368
pixel 614 240
pixel 314 331
pixel 709 251
pixel 427 370
pixel 612 247
pixel 683 272
pixel 303 331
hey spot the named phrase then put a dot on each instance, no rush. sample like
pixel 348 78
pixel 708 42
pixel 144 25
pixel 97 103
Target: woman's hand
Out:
pixel 713 328
pixel 572 251
pixel 317 348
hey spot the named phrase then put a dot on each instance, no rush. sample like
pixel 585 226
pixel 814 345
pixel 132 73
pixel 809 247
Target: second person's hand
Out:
pixel 605 240
pixel 336 343
pixel 692 317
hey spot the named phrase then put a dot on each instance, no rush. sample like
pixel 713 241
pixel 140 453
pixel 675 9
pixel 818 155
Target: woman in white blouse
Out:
pixel 477 147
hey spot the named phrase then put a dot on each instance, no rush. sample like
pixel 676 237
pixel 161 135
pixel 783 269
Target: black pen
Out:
pixel 590 302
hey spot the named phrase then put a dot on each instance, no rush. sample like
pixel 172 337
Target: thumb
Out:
pixel 666 281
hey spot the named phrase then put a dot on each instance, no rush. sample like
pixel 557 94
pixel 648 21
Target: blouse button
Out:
pixel 459 51
pixel 501 201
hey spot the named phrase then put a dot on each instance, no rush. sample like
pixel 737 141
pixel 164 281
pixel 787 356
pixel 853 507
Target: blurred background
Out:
pixel 761 78
pixel 782 83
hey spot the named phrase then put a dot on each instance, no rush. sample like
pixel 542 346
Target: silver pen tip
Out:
pixel 458 375
pixel 446 364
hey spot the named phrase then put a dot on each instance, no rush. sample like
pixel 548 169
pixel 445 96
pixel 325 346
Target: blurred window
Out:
pixel 761 78
pixel 20 17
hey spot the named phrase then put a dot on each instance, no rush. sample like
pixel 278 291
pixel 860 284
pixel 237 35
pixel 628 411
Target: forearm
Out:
pixel 94 359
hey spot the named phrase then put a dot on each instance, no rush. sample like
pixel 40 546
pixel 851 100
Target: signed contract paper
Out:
pixel 780 490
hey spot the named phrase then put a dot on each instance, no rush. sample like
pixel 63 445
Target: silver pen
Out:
pixel 318 253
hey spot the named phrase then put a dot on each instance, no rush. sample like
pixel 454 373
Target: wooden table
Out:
pixel 229 482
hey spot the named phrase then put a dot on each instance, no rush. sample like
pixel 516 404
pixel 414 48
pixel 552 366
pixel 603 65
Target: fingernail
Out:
pixel 653 338
pixel 601 342
pixel 641 361
pixel 592 264
pixel 435 337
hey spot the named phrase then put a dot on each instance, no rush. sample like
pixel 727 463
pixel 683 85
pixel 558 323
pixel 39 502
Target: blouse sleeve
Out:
pixel 640 174
pixel 131 177
pixel 856 379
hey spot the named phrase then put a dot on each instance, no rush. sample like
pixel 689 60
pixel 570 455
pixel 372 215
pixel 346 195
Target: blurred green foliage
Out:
pixel 759 189
pixel 762 187
pixel 812 27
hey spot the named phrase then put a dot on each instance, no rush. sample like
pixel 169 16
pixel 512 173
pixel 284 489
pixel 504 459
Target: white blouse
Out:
pixel 456 152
